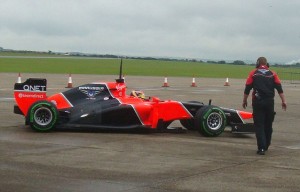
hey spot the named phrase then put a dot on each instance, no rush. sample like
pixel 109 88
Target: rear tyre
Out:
pixel 210 121
pixel 42 116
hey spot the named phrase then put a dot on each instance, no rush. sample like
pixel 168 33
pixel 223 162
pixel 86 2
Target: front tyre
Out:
pixel 43 116
pixel 210 121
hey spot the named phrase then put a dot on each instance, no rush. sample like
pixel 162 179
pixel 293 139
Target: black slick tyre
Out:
pixel 210 121
pixel 42 116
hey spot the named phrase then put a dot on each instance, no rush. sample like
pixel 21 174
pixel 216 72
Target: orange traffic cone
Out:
pixel 165 82
pixel 226 82
pixel 19 80
pixel 193 83
pixel 70 83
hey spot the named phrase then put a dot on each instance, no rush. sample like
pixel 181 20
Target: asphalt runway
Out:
pixel 78 161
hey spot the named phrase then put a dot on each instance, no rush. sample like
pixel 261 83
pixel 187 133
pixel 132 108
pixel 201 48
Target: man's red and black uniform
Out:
pixel 263 82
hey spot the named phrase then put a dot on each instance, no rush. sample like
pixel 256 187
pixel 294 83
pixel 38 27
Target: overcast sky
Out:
pixel 204 29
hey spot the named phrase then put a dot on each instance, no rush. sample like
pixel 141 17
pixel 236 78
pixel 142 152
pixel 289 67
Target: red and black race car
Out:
pixel 105 105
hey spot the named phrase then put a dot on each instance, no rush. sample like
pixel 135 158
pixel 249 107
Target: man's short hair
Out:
pixel 262 61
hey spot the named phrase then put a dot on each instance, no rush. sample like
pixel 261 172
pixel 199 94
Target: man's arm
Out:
pixel 283 102
pixel 248 87
pixel 279 89
pixel 245 101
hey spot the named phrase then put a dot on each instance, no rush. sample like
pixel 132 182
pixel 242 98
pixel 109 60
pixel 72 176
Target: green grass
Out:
pixel 58 65
pixel 130 67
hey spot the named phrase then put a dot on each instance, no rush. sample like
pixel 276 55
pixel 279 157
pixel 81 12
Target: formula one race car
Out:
pixel 105 105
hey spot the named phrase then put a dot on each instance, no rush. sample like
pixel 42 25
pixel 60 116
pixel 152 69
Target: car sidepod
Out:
pixel 93 105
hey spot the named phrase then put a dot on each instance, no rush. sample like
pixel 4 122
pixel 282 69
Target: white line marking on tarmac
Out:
pixel 156 89
pixel 293 147
pixel 207 90
pixel 6 98
pixel 150 89
pixel 177 89
pixel 294 89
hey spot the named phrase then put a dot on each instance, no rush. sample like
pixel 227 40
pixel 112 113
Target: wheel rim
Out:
pixel 214 121
pixel 43 116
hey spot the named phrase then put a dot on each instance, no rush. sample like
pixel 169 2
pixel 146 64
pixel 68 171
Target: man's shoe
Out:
pixel 260 152
pixel 267 147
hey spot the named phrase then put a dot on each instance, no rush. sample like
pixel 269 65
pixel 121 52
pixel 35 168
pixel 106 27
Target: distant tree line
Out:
pixel 79 54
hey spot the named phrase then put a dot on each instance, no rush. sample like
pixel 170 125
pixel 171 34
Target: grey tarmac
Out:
pixel 80 160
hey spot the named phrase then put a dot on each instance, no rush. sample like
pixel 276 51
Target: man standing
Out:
pixel 263 82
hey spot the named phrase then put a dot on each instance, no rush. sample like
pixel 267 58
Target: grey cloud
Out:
pixel 231 29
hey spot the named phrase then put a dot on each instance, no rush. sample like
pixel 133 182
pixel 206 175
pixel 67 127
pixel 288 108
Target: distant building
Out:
pixel 1 49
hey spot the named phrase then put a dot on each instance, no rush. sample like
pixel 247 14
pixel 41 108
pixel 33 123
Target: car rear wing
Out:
pixel 28 92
